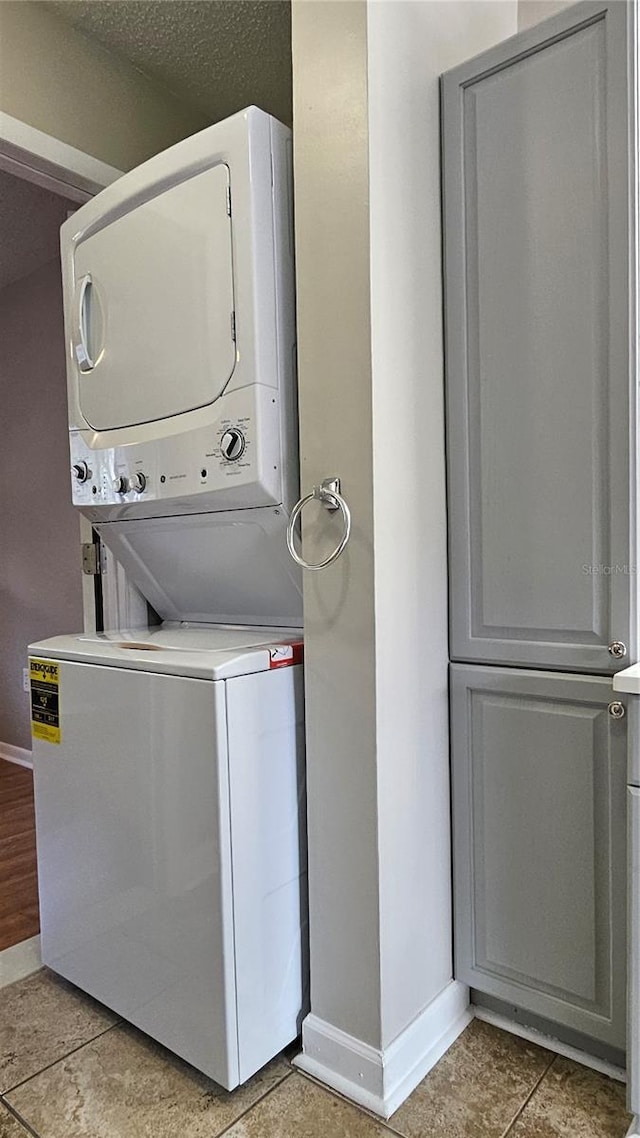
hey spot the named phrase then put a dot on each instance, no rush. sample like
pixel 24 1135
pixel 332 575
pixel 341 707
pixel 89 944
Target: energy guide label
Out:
pixel 44 677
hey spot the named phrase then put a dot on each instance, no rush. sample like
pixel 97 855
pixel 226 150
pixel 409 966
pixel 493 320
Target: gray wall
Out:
pixel 530 12
pixel 60 81
pixel 40 576
pixel 334 366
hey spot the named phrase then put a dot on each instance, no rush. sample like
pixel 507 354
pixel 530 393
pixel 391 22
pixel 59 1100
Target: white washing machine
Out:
pixel 170 821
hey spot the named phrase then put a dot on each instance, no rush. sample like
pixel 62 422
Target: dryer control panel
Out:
pixel 233 463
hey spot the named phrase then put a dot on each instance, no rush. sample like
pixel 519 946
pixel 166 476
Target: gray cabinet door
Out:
pixel 539 400
pixel 539 801
pixel 633 1050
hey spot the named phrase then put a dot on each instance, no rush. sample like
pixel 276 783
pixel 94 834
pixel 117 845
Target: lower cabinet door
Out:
pixel 539 803
pixel 633 1027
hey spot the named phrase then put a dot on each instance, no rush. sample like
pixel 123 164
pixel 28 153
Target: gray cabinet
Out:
pixel 536 176
pixel 539 799
pixel 633 1051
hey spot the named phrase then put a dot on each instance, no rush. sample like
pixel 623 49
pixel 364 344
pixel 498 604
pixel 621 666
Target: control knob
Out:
pixel 121 484
pixel 232 444
pixel 81 472
pixel 138 482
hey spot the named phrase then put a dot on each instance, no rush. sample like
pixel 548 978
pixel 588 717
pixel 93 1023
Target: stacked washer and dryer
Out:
pixel 168 761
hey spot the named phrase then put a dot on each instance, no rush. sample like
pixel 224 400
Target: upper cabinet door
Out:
pixel 153 306
pixel 540 411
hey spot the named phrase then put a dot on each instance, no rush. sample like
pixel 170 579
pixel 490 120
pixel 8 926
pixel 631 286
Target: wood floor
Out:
pixel 19 917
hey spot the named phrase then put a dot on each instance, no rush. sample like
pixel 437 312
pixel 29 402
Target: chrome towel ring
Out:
pixel 329 494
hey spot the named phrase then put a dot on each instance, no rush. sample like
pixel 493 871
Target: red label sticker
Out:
pixel 284 655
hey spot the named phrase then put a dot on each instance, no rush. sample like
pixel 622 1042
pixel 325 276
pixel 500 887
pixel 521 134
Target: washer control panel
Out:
pixel 138 482
pixel 81 471
pixel 121 484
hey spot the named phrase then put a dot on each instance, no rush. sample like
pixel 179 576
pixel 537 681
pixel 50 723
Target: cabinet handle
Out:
pixel 617 649
pixel 617 710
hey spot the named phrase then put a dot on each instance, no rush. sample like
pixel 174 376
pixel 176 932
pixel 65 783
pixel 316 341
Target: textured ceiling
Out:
pixel 219 55
pixel 30 220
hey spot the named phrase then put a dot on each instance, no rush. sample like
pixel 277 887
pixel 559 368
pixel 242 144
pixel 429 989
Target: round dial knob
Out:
pixel 81 471
pixel 121 484
pixel 138 482
pixel 232 444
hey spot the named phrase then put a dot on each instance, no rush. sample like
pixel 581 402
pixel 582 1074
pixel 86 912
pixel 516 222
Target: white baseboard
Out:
pixel 553 1044
pixel 380 1080
pixel 17 755
pixel 20 960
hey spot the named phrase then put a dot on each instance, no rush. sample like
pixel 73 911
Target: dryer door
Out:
pixel 153 303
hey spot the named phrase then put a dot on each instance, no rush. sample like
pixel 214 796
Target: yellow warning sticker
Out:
pixel 44 678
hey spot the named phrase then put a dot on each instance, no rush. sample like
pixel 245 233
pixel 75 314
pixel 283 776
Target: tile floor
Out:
pixel 69 1069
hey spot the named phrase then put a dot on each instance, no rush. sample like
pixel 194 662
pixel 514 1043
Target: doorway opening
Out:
pixel 41 583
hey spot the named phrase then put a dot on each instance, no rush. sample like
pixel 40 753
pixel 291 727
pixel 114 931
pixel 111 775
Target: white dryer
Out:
pixel 170 821
pixel 180 332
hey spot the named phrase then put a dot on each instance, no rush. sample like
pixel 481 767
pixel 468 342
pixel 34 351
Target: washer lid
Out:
pixel 154 298
pixel 229 568
pixel 199 653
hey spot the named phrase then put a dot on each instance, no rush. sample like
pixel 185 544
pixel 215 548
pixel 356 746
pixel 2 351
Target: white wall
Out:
pixel 40 564
pixel 409 45
pixel 371 409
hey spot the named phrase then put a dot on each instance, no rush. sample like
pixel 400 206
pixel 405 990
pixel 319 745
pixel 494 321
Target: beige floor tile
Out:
pixel 302 1109
pixel 125 1085
pixel 570 1101
pixel 476 1089
pixel 42 1018
pixel 9 1128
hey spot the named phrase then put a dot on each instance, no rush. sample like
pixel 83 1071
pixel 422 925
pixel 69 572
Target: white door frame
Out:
pixel 36 157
